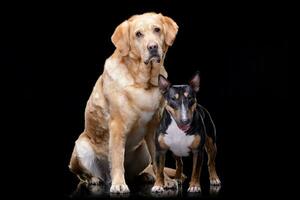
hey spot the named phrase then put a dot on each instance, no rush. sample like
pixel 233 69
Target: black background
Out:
pixel 57 52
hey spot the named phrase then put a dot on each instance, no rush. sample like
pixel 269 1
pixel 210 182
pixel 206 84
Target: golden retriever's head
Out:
pixel 145 37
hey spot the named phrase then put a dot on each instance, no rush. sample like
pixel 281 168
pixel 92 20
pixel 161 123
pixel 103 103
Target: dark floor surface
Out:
pixel 143 191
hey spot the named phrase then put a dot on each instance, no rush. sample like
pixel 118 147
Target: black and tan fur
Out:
pixel 194 128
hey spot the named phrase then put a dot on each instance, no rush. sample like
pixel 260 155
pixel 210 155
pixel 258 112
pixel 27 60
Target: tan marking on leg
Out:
pixel 160 169
pixel 162 143
pixel 179 167
pixel 195 179
pixel 195 144
pixel 159 183
pixel 211 150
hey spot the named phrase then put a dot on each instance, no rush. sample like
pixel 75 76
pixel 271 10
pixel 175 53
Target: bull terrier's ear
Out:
pixel 120 38
pixel 195 82
pixel 163 84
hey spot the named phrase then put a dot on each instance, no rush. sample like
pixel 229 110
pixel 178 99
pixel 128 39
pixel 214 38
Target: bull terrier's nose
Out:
pixel 185 121
pixel 152 46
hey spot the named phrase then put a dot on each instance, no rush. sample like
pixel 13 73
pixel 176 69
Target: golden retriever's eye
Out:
pixel 157 30
pixel 138 34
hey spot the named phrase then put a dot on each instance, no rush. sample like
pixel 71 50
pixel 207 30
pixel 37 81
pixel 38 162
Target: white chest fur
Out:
pixel 178 141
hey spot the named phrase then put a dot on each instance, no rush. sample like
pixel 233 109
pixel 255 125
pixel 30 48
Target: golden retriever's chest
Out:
pixel 146 101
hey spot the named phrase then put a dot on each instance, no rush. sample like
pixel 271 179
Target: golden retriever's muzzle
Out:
pixel 153 53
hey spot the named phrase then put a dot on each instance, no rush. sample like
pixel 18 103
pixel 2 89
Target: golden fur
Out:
pixel 122 112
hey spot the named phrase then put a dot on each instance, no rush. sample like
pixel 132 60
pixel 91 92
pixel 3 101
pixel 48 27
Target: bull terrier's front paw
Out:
pixel 215 181
pixel 157 188
pixel 119 188
pixel 194 188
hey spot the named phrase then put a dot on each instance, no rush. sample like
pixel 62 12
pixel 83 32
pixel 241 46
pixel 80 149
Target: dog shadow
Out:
pixel 87 190
pixel 214 190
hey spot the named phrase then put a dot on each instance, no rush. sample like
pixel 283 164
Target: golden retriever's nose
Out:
pixel 152 46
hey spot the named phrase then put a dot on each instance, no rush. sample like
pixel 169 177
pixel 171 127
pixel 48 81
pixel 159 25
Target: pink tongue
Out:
pixel 184 127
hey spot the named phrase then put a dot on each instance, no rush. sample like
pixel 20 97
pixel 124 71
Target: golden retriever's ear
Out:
pixel 170 30
pixel 120 38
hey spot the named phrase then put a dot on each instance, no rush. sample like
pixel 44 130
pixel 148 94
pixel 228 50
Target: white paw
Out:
pixel 194 189
pixel 157 189
pixel 171 184
pixel 215 181
pixel 119 188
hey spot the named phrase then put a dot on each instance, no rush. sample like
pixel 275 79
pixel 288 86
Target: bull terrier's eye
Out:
pixel 138 34
pixel 157 30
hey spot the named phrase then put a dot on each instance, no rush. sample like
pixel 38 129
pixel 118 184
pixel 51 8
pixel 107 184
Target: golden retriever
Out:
pixel 122 113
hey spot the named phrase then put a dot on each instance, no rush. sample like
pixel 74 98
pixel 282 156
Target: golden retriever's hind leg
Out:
pixel 84 163
pixel 76 168
pixel 141 159
pixel 141 171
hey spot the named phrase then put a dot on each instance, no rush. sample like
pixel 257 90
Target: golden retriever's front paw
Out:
pixel 157 188
pixel 119 188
